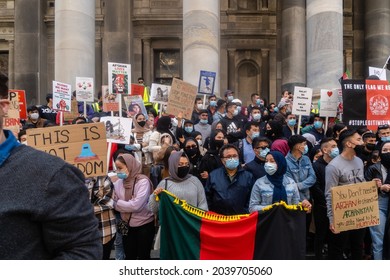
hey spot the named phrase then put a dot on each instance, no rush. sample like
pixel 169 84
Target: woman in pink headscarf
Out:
pixel 132 191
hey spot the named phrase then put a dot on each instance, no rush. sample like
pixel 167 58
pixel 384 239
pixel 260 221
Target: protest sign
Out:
pixel 159 93
pixel 118 130
pixel 366 103
pixel 329 101
pixel 206 82
pixel 137 89
pixel 22 101
pixel 379 72
pixel 181 98
pixel 12 120
pixel 110 100
pixel 302 101
pixel 135 105
pixel 355 206
pixel 62 96
pixel 119 77
pixel 82 145
pixel 84 89
pixel 74 112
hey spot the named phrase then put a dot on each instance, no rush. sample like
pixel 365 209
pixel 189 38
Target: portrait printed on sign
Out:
pixel 118 130
pixel 110 100
pixel 159 93
pixel 135 105
pixel 119 77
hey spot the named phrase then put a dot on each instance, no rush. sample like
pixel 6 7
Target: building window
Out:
pixel 166 65
pixel 4 62
pixel 249 5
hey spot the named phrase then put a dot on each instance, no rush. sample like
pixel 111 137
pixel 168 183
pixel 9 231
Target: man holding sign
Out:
pixel 345 169
pixel 45 211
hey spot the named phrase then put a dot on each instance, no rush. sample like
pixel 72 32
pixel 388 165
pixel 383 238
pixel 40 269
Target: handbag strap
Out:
pixel 128 198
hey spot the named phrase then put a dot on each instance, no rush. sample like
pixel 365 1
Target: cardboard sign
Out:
pixel 302 101
pixel 118 130
pixel 206 82
pixel 159 93
pixel 22 101
pixel 329 103
pixel 74 112
pixel 119 77
pixel 137 89
pixel 110 100
pixel 355 206
pixel 84 89
pixel 62 96
pixel 82 145
pixel 181 98
pixel 12 120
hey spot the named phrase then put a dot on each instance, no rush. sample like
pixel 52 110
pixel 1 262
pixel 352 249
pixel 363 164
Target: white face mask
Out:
pixel 200 142
pixel 34 116
pixel 199 106
pixel 24 142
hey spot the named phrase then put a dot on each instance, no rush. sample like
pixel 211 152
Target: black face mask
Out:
pixel 182 171
pixel 142 123
pixel 359 149
pixel 370 146
pixel 269 133
pixel 218 144
pixel 191 152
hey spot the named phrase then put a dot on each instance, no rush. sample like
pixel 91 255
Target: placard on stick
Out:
pixel 355 206
pixel 12 120
pixel 302 101
pixel 82 145
pixel 181 98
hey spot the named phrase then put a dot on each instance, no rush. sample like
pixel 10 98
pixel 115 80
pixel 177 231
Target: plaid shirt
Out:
pixel 101 191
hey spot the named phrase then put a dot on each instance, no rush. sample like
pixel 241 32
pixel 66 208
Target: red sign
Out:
pixel 137 89
pixel 20 95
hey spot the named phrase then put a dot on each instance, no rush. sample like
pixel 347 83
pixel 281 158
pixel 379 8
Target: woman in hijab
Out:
pixel 199 138
pixel 182 133
pixel 274 131
pixel 161 137
pixel 132 191
pixel 192 151
pixel 180 183
pixel 275 186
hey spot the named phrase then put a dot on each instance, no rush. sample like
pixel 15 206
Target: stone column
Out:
pixel 293 45
pixel 324 26
pixel 11 65
pixel 146 62
pixel 265 75
pixel 377 33
pixel 231 70
pixel 358 65
pixel 74 40
pixel 201 42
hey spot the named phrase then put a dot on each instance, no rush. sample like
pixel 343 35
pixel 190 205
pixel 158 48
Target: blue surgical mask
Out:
pixel 204 121
pixel 276 109
pixel 292 122
pixel 256 117
pixel 263 153
pixel 270 168
pixel 306 149
pixel 121 175
pixel 258 102
pixel 188 129
pixel 334 152
pixel 213 103
pixel 230 98
pixel 385 138
pixel 232 163
pixel 318 124
pixel 130 147
pixel 239 108
pixel 254 135
pixel 235 113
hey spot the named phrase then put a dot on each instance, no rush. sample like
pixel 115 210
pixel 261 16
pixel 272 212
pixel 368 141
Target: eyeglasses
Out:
pixel 231 157
pixel 191 147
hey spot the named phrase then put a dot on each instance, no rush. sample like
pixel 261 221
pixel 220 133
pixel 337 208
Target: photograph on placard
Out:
pixel 84 89
pixel 110 100
pixel 62 96
pixel 206 82
pixel 134 106
pixel 118 130
pixel 119 76
pixel 159 93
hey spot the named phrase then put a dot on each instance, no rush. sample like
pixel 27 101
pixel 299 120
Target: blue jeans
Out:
pixel 377 232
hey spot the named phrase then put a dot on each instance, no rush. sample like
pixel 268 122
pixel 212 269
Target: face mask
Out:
pixel 318 124
pixel 200 142
pixel 24 143
pixel 385 138
pixel 142 123
pixel 218 144
pixel 199 106
pixel 34 116
pixel 258 102
pixel 270 168
pixel 256 117
pixel 334 152
pixel 235 113
pixel 204 121
pixel 182 171
pixel 263 153
pixel 358 149
pixel 305 150
pixel 232 163
pixel 269 133
pixel 292 122
pixel 261 103
pixel 276 109
pixel 254 135
pixel 230 98
pixel 130 147
pixel 174 122
pixel 188 129
pixel 239 108
pixel 121 175
pixel 191 152
pixel 370 146
pixel 213 103
pixel 385 159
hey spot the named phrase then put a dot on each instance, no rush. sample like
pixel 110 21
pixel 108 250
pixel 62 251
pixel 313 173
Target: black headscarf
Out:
pixel 192 156
pixel 277 178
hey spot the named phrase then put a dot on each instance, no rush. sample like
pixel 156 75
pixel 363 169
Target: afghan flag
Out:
pixel 189 233
pixel 366 103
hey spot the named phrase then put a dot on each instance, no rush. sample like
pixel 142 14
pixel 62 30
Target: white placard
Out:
pixel 84 89
pixel 159 93
pixel 381 73
pixel 118 130
pixel 302 101
pixel 62 96
pixel 329 102
pixel 119 78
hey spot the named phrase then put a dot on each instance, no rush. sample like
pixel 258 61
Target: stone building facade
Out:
pixel 262 46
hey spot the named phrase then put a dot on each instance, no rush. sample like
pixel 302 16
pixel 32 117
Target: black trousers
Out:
pixel 353 238
pixel 107 248
pixel 138 242
pixel 321 222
